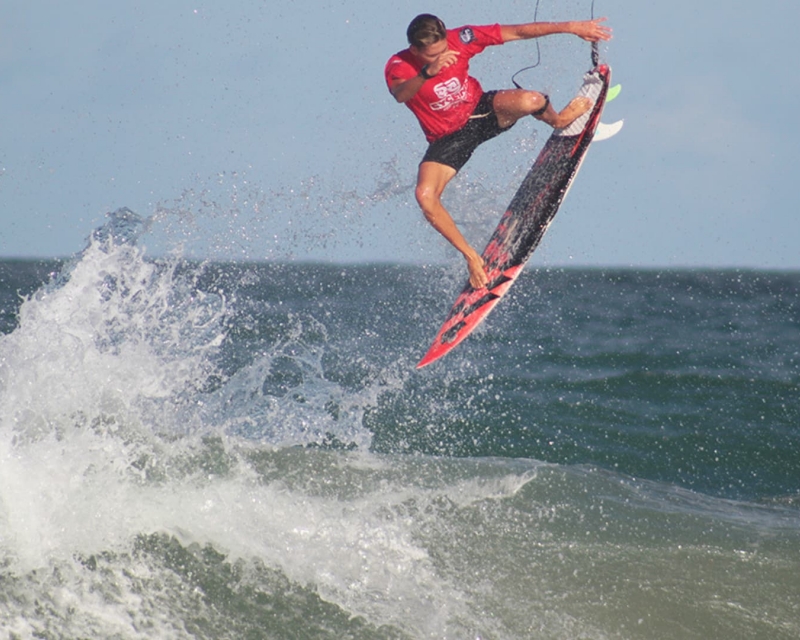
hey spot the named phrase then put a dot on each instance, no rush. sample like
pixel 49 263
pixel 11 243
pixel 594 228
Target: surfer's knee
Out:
pixel 511 105
pixel 431 182
pixel 536 103
pixel 427 198
pixel 521 102
pixel 532 102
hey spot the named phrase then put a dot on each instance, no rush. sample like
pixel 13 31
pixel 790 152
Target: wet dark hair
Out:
pixel 424 30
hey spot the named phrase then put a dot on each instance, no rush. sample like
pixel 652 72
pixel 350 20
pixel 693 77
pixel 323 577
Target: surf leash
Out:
pixel 595 44
pixel 595 49
pixel 538 52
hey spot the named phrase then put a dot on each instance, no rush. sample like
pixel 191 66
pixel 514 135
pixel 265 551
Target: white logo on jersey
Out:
pixel 449 92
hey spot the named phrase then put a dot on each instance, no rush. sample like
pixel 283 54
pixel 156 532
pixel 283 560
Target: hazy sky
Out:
pixel 263 130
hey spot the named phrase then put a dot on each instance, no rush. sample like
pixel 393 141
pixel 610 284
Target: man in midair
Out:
pixel 431 77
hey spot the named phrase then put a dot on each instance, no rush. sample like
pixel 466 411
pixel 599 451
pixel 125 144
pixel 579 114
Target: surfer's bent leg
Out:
pixel 444 158
pixel 433 177
pixel 513 104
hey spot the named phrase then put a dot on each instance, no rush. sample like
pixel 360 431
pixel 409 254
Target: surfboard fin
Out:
pixel 605 131
pixel 613 92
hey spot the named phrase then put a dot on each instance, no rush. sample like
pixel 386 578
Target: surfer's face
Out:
pixel 430 53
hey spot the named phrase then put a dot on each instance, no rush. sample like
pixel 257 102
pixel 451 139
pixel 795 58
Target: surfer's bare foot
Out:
pixel 574 110
pixel 477 273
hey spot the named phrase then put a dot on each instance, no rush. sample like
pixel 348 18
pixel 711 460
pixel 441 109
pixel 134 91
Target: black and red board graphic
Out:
pixel 528 216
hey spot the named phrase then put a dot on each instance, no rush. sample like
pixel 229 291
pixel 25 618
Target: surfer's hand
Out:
pixel 443 60
pixel 477 273
pixel 592 30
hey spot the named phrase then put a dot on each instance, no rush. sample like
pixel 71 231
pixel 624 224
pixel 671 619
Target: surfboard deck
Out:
pixel 527 218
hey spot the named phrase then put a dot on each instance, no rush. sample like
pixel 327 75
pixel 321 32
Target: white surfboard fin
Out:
pixel 605 131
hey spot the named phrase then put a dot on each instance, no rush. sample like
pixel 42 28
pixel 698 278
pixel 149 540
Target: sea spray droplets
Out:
pixel 112 332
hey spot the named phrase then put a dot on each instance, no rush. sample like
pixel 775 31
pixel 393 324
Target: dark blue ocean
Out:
pixel 234 450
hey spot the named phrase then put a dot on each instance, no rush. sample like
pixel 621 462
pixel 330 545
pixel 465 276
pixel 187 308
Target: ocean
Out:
pixel 199 449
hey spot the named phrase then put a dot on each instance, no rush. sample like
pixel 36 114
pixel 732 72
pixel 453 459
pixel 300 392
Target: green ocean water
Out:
pixel 246 450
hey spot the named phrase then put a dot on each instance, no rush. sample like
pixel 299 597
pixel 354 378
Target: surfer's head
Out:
pixel 425 30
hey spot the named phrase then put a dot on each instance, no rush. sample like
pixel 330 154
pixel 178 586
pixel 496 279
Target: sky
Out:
pixel 263 130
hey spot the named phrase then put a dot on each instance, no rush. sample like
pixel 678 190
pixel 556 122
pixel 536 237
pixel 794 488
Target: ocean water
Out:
pixel 208 450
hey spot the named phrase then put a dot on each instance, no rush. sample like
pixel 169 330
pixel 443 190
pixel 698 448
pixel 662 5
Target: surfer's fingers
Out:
pixel 593 31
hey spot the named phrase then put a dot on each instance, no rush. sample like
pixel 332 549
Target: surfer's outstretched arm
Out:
pixel 590 30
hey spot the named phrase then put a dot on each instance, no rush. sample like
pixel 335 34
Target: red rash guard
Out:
pixel 445 102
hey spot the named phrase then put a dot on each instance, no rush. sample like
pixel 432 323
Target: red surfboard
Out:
pixel 528 216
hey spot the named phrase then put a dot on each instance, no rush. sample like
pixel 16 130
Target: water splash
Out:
pixel 113 335
pixel 119 408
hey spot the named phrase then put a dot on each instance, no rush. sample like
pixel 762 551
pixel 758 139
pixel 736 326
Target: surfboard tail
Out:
pixel 470 309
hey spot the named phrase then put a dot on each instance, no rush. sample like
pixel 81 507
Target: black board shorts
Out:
pixel 456 148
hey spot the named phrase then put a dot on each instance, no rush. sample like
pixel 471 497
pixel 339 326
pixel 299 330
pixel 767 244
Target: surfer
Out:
pixel 431 77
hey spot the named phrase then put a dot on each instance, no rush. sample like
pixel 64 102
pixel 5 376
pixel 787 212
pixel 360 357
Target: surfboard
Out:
pixel 528 216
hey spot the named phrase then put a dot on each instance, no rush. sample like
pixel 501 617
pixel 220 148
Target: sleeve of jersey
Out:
pixel 398 69
pixel 476 38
